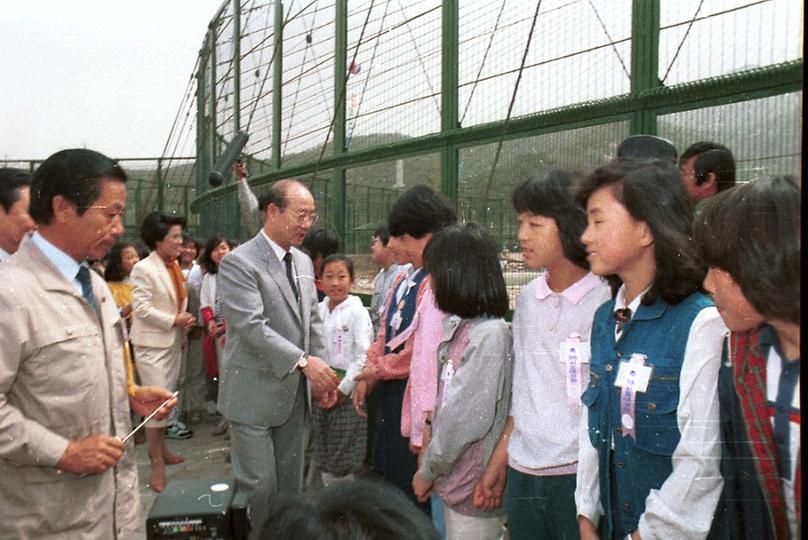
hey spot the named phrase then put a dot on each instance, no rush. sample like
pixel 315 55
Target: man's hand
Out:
pixel 421 487
pixel 587 529
pixel 489 489
pixel 321 377
pixel 240 170
pixel 184 320
pixel 148 398
pixel 92 455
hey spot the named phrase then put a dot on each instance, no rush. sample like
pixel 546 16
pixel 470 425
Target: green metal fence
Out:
pixel 363 98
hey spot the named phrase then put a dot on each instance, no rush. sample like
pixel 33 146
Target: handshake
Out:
pixel 323 382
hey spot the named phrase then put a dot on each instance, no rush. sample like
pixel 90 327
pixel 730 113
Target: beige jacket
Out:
pixel 154 305
pixel 62 378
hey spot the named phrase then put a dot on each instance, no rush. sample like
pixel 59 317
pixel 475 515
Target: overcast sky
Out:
pixel 106 74
pixel 111 74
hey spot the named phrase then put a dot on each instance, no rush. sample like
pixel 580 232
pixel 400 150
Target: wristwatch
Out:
pixel 303 362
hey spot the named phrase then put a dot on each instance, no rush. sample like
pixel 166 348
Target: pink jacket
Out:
pixel 422 387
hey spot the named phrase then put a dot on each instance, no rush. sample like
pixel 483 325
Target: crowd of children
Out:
pixel 647 387
pixel 621 401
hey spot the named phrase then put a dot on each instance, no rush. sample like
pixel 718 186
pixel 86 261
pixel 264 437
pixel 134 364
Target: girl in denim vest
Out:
pixel 648 446
pixel 474 387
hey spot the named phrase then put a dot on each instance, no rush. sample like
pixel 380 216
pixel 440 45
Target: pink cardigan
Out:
pixel 422 387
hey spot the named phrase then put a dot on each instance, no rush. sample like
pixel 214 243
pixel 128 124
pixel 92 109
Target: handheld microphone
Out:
pixel 228 157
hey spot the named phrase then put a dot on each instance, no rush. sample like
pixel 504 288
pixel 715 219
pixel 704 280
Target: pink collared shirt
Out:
pixel 422 387
pixel 544 440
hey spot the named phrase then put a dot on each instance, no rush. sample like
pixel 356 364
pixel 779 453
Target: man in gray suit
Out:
pixel 275 342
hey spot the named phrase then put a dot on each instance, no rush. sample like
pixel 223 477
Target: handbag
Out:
pixel 209 352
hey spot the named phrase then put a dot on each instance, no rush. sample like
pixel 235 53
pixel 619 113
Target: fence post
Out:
pixel 201 136
pixel 449 99
pixel 336 203
pixel 236 66
pixel 212 105
pixel 277 84
pixel 644 61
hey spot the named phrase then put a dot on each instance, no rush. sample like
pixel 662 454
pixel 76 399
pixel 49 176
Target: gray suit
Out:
pixel 260 392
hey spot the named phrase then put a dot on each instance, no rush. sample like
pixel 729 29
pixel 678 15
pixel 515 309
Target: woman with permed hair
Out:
pixel 159 302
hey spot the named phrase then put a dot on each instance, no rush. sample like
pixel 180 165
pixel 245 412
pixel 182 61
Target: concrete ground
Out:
pixel 204 455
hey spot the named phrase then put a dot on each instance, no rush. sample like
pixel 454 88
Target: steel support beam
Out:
pixel 236 65
pixel 336 201
pixel 277 84
pixel 644 61
pixel 449 162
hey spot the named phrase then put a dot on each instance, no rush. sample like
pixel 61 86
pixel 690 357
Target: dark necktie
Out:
pixel 86 285
pixel 622 316
pixel 287 259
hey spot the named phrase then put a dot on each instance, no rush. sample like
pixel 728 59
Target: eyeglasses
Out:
pixel 304 217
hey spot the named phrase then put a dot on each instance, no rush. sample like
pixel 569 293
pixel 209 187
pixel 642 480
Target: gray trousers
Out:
pixel 269 460
pixel 193 383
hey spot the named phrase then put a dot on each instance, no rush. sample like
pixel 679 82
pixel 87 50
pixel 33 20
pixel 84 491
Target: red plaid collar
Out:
pixel 749 374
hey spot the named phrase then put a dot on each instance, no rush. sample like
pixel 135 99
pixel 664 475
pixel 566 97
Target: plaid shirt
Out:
pixel 749 376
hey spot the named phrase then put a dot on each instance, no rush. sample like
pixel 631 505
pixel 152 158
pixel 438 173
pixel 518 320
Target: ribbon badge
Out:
pixel 339 340
pixel 633 376
pixel 573 353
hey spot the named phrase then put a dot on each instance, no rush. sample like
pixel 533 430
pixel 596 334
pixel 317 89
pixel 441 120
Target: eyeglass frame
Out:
pixel 303 216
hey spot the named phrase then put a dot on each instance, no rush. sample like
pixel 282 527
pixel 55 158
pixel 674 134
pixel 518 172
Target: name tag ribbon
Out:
pixel 574 353
pixel 633 376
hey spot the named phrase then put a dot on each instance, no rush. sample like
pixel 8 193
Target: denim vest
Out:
pixel 407 310
pixel 633 468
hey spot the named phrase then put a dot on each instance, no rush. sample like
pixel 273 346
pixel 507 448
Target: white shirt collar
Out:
pixel 574 293
pixel 279 251
pixel 4 254
pixel 620 301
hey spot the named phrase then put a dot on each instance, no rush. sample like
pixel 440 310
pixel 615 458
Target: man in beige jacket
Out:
pixel 64 409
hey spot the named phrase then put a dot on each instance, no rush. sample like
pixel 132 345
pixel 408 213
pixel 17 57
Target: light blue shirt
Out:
pixel 66 264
